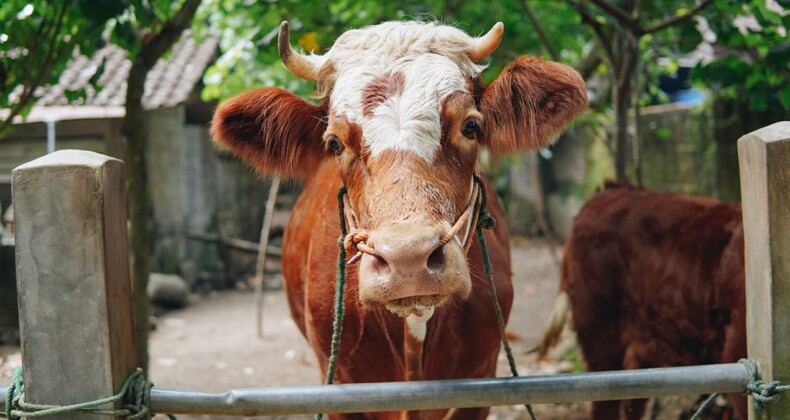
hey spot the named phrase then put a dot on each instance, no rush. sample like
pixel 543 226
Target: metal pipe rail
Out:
pixel 543 389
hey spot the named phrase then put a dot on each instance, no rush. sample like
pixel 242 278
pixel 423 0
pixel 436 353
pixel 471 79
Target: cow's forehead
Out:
pixel 391 79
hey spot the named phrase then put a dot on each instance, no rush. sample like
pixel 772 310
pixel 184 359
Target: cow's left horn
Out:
pixel 304 66
pixel 485 45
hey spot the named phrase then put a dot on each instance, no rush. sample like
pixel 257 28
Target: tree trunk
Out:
pixel 621 102
pixel 135 131
pixel 623 90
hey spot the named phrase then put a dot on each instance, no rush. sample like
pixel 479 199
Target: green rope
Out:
pixel 135 392
pixel 486 221
pixel 340 287
pixel 762 393
pixel 14 393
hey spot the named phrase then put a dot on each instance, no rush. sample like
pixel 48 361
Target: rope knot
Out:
pixel 353 239
pixel 765 393
pixel 487 221
pixel 135 395
pixel 354 243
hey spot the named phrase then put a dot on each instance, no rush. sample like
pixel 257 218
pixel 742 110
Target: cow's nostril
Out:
pixel 380 266
pixel 436 260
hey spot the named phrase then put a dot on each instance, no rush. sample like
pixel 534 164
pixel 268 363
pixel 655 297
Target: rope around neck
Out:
pixel 484 221
pixel 340 288
pixel 135 393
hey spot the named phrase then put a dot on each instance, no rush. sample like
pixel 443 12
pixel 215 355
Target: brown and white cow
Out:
pixel 401 118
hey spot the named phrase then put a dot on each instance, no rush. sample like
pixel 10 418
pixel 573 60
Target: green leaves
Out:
pixel 249 33
pixel 753 60
pixel 38 38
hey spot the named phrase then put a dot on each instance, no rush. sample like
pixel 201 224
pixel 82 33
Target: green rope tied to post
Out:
pixel 763 393
pixel 14 393
pixel 135 393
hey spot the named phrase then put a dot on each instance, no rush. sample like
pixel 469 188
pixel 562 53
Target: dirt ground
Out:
pixel 212 346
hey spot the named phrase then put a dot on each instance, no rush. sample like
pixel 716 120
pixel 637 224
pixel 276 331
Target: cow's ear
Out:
pixel 531 102
pixel 272 129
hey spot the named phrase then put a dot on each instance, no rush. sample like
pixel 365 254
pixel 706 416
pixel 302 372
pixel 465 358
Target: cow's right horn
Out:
pixel 304 66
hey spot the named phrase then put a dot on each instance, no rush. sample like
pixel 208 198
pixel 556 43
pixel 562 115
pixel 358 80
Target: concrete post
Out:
pixel 765 189
pixel 73 278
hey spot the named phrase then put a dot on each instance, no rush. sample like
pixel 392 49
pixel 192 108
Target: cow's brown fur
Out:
pixel 381 89
pixel 655 280
pixel 463 339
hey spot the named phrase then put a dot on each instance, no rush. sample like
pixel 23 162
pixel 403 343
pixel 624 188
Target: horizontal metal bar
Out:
pixel 352 398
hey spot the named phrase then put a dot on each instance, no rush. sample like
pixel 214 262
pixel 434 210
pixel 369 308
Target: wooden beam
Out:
pixel 73 278
pixel 765 187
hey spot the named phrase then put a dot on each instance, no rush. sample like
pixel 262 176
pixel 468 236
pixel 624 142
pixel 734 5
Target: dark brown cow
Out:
pixel 402 116
pixel 655 279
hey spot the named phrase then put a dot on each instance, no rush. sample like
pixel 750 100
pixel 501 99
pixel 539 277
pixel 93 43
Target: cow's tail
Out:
pixel 553 329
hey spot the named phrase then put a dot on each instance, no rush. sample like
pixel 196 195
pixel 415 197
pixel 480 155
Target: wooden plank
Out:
pixel 73 278
pixel 765 187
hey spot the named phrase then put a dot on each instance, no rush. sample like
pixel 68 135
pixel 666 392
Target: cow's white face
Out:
pixel 403 116
pixel 399 108
pixel 400 95
pixel 392 79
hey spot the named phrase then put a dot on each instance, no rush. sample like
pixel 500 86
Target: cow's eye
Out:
pixel 334 145
pixel 470 129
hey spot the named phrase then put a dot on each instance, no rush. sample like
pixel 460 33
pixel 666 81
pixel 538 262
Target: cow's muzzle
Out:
pixel 410 268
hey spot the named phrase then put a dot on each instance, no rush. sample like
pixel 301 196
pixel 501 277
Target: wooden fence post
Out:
pixel 765 190
pixel 73 278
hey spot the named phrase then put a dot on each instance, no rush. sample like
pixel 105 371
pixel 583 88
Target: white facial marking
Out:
pixel 411 121
pixel 433 61
pixel 418 322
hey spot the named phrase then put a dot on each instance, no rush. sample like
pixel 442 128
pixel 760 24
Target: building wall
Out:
pixel 167 185
pixel 193 187
pixel 29 141
pixel 678 149
pixel 682 150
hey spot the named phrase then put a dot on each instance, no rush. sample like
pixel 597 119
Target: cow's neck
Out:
pixel 415 330
pixel 412 353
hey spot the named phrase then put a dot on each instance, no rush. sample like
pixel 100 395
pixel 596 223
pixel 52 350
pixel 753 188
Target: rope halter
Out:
pixel 356 238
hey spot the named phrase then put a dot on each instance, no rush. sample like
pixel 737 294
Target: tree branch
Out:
pixel 621 15
pixel 629 53
pixel 597 27
pixel 676 19
pixel 589 63
pixel 30 83
pixel 541 33
pixel 157 45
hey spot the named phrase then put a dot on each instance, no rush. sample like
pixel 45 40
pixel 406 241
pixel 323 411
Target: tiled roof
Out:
pixel 168 84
